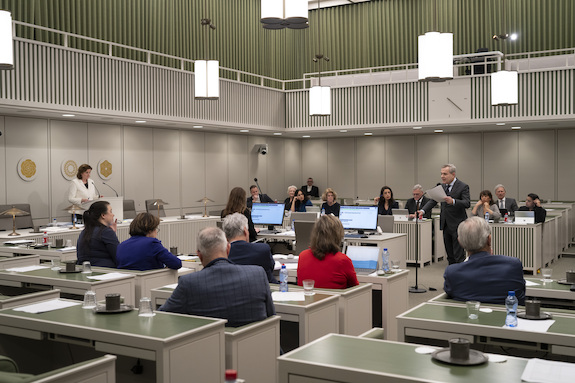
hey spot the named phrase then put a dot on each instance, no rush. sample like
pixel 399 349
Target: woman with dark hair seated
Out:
pixel 143 250
pixel 486 205
pixel 237 204
pixel 323 261
pixel 385 202
pixel 533 203
pixel 299 203
pixel 97 243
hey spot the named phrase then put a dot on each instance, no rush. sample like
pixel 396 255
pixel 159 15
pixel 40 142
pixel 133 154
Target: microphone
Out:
pixel 111 188
pixel 258 185
pixel 99 194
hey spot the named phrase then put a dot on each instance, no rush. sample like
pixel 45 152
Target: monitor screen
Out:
pixel 268 213
pixel 358 217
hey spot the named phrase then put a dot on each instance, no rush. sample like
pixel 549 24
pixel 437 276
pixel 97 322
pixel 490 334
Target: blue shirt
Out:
pixel 145 253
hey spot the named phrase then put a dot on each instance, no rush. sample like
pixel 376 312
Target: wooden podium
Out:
pixel 117 205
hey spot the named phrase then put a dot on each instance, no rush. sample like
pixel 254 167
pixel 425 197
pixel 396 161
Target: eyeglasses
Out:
pixel 158 229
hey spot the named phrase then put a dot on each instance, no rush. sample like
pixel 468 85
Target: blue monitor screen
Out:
pixel 358 217
pixel 268 213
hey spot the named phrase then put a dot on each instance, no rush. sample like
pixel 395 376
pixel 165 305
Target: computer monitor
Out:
pixel 358 217
pixel 268 214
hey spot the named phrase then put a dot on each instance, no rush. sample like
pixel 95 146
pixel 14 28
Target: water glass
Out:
pixel 89 300
pixel 56 265
pixel 547 272
pixel 395 266
pixel 68 243
pixel 146 308
pixel 473 309
pixel 86 267
pixel 308 287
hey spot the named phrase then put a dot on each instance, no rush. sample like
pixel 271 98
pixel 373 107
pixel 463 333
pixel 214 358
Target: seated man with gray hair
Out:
pixel 482 277
pixel 244 252
pixel 241 294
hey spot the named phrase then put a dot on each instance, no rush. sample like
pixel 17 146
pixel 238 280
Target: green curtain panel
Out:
pixel 375 33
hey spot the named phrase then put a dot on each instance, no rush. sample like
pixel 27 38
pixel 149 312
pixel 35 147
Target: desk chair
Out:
pixel 302 235
pixel 22 222
pixel 386 223
pixel 153 209
pixel 129 209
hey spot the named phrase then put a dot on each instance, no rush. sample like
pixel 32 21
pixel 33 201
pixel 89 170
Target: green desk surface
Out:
pixel 161 326
pixel 391 358
pixel 49 273
pixel 564 325
pixel 548 285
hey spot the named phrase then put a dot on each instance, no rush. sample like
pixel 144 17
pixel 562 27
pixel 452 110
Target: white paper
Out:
pixel 546 371
pixel 285 256
pixel 23 269
pixel 54 229
pixel 18 242
pixel 285 233
pixel 188 257
pixel 172 286
pixel 532 325
pixel 292 296
pixel 66 249
pixel 42 307
pixel 108 276
pixel 530 283
pixel 437 193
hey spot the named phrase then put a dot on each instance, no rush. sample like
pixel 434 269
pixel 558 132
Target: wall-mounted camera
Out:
pixel 262 149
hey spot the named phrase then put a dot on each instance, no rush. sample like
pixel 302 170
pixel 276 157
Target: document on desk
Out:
pixel 188 258
pixel 17 242
pixel 294 296
pixel 108 276
pixel 66 249
pixel 172 286
pixel 24 269
pixel 546 371
pixel 437 193
pixel 532 325
pixel 530 283
pixel 42 307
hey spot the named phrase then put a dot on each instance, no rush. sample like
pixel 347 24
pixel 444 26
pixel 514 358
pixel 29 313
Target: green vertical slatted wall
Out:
pixel 376 33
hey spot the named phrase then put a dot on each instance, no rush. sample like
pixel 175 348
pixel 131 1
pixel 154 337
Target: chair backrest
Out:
pixel 302 235
pixel 153 209
pixel 22 222
pixel 386 223
pixel 308 217
pixel 130 209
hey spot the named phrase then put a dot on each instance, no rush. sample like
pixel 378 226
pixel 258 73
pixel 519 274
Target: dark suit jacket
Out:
pixel 485 278
pixel 264 198
pixel 510 205
pixel 381 207
pixel 453 215
pixel 101 251
pixel 314 191
pixel 540 213
pixel 245 253
pixel 410 205
pixel 241 294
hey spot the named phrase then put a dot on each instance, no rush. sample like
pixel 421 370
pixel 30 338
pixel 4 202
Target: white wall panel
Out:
pixel 537 164
pixel 314 164
pixel 500 162
pixel 237 159
pixel 217 187
pixel 3 159
pixel 105 142
pixel 193 170
pixel 566 165
pixel 370 154
pixel 259 164
pixel 28 137
pixel 432 153
pixel 138 165
pixel 276 163
pixel 341 168
pixel 167 169
pixel 465 152
pixel 399 166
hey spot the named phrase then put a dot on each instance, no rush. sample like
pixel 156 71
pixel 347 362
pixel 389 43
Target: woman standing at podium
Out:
pixel 98 241
pixel 82 188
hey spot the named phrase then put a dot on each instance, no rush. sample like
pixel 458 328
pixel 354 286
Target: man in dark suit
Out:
pixel 241 294
pixel 257 197
pixel 310 190
pixel 417 202
pixel 243 252
pixel 483 277
pixel 504 202
pixel 453 212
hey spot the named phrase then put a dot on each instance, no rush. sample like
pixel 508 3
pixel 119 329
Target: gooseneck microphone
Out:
pixel 111 188
pixel 258 185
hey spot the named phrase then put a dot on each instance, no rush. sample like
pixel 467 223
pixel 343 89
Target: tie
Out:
pixel 447 189
pixel 417 206
pixel 501 206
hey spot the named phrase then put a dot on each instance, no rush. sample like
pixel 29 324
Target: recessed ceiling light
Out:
pixel 438 131
pixel 277 134
pixel 140 122
pixel 368 134
pixel 197 126
pixel 244 131
pixel 68 115
pixel 417 127
pixel 343 131
pixel 306 136
pixel 500 123
pixel 515 127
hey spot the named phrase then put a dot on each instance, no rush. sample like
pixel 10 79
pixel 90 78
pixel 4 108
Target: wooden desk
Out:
pixel 19 296
pixel 552 293
pixel 44 254
pixel 345 359
pixel 184 348
pixel 24 260
pixel 424 240
pixel 76 283
pixel 445 321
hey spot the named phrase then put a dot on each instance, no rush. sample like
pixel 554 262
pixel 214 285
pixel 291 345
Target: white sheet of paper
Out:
pixel 184 270
pixel 546 371
pixel 66 249
pixel 54 229
pixel 437 193
pixel 42 307
pixel 188 257
pixel 108 276
pixel 292 296
pixel 532 325
pixel 23 269
pixel 172 286
pixel 530 283
pixel 18 242
pixel 286 233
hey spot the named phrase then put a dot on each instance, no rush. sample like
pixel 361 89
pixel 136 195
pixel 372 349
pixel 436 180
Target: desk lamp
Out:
pixel 205 200
pixel 72 210
pixel 14 212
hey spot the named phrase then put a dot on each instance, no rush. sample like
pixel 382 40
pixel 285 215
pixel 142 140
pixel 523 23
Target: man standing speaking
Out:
pixel 453 212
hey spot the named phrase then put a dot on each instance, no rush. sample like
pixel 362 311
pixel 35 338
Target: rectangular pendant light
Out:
pixel 320 101
pixel 6 41
pixel 504 88
pixel 435 56
pixel 207 79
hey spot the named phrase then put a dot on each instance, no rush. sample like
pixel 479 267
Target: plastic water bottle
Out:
pixel 283 279
pixel 506 217
pixel 322 212
pixel 54 222
pixel 45 238
pixel 385 261
pixel 487 217
pixel 511 306
pixel 293 225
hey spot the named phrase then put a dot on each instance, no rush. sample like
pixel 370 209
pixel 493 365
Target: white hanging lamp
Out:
pixel 279 14
pixel 435 54
pixel 319 96
pixel 504 83
pixel 6 41
pixel 206 72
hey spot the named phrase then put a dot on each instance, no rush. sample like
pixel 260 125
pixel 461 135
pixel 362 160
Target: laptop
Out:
pixel 524 217
pixel 363 258
pixel 400 214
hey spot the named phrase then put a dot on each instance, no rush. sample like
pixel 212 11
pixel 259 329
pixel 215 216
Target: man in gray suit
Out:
pixel 241 294
pixel 453 212
pixel 504 202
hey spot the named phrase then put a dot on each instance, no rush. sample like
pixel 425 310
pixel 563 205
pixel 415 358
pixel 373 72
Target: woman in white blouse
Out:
pixel 82 188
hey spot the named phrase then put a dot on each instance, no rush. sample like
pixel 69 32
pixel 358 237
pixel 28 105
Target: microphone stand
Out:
pixel 111 188
pixel 416 288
